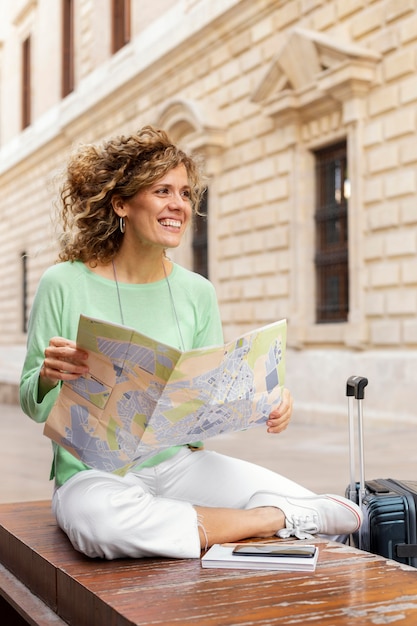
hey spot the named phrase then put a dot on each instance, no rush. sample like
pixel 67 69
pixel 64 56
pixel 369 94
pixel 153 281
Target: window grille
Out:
pixel 331 258
pixel 200 238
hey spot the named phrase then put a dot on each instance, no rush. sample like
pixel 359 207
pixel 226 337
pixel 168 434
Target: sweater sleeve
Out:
pixel 44 323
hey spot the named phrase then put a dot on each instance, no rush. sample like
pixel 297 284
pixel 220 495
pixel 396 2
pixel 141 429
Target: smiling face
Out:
pixel 157 216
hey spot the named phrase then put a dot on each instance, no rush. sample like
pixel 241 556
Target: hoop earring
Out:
pixel 122 224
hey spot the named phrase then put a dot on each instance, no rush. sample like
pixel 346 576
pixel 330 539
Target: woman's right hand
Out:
pixel 63 361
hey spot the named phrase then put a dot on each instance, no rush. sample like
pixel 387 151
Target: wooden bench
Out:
pixel 43 581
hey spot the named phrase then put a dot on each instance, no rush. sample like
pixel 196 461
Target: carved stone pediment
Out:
pixel 311 71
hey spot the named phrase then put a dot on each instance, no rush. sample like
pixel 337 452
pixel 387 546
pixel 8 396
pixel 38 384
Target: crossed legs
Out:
pixel 188 503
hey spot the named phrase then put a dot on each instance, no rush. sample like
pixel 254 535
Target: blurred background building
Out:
pixel 305 114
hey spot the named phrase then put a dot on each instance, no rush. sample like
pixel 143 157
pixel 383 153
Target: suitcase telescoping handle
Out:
pixel 355 389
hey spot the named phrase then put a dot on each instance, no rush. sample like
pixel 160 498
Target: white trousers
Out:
pixel 150 512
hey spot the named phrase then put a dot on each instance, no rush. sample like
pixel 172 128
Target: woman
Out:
pixel 123 205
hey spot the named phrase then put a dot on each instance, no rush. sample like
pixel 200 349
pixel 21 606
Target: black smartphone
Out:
pixel 265 549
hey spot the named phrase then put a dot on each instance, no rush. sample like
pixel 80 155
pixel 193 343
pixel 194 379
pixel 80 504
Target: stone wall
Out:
pixel 255 86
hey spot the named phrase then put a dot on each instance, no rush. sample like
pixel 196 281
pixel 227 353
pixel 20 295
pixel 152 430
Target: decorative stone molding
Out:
pixel 188 122
pixel 312 74
pixel 25 10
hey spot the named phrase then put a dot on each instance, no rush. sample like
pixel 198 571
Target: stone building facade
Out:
pixel 260 89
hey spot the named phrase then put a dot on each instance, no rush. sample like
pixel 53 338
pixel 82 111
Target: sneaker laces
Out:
pixel 300 527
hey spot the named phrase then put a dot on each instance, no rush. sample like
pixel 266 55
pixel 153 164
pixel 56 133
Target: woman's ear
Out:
pixel 118 205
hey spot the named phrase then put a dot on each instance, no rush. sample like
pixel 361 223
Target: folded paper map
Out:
pixel 141 396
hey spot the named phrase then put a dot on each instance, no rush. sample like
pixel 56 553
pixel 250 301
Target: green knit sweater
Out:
pixel 68 289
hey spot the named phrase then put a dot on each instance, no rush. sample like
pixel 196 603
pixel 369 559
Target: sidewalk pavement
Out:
pixel 315 455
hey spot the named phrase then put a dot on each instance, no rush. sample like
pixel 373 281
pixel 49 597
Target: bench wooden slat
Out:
pixel 84 592
pixel 18 606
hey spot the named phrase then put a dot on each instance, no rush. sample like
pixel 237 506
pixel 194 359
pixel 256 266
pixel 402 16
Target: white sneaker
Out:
pixel 311 515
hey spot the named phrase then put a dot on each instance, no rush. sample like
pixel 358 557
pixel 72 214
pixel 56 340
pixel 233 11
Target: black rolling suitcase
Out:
pixel 388 505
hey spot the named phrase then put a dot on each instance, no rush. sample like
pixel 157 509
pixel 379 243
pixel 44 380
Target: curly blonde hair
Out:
pixel 121 166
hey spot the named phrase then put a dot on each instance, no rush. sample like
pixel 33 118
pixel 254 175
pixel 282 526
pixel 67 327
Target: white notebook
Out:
pixel 221 555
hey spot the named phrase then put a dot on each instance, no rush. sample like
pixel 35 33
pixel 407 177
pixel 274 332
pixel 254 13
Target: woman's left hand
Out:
pixel 279 418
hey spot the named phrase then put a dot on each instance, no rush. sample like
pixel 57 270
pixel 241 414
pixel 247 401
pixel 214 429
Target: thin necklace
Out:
pixel 118 292
pixel 173 308
pixel 170 296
